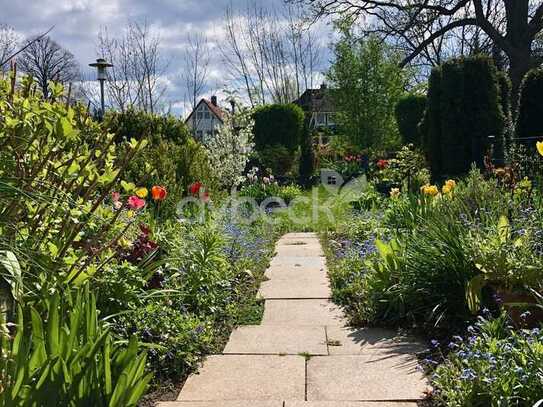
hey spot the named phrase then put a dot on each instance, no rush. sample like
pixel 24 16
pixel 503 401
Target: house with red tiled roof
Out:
pixel 206 119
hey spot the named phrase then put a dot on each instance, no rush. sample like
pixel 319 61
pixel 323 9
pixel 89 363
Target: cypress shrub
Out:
pixel 502 142
pixel 464 110
pixel 409 112
pixel 530 112
pixel 483 108
pixel 430 127
pixel 307 157
pixel 454 149
pixel 278 125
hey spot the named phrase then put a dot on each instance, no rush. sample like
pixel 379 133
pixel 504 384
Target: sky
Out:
pixel 77 23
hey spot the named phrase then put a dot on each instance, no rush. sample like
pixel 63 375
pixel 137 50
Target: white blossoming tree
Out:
pixel 230 148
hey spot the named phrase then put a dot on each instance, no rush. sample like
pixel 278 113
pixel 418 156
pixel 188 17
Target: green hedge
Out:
pixel 278 125
pixel 530 114
pixel 409 112
pixel 464 110
pixel 137 124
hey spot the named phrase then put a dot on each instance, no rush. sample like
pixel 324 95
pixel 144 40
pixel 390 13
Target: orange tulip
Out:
pixel 158 193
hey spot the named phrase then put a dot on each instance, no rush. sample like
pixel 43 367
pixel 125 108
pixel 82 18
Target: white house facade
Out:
pixel 205 120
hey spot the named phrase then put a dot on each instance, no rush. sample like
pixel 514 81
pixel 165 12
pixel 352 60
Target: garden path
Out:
pixel 303 355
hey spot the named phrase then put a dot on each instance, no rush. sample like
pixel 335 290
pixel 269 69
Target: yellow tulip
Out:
pixel 430 190
pixel 395 192
pixel 539 146
pixel 446 189
pixel 451 183
pixel 142 193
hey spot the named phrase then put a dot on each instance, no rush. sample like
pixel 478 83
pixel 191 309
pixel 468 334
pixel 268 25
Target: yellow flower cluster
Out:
pixel 429 190
pixel 449 186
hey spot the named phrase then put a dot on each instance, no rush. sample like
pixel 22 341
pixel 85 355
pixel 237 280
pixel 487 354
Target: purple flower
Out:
pixel 434 343
pixel 468 374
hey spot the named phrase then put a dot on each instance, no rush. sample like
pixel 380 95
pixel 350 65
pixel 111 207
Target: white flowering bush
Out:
pixel 231 147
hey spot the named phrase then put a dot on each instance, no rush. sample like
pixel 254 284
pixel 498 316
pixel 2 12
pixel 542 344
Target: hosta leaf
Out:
pixel 14 278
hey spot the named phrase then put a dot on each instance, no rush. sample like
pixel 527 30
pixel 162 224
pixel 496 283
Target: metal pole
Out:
pixel 102 102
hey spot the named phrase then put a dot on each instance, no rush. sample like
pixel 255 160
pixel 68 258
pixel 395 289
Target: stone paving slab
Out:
pixel 352 341
pixel 302 313
pixel 306 263
pixel 299 250
pixel 298 235
pixel 361 378
pixel 296 289
pixel 221 403
pixel 350 404
pixel 247 377
pixel 267 339
pixel 295 273
pixel 307 244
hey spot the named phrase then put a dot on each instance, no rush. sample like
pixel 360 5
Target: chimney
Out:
pixel 214 100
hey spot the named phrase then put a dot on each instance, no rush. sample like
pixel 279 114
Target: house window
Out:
pixel 331 119
pixel 199 115
pixel 199 134
pixel 321 119
pixel 207 116
pixel 332 180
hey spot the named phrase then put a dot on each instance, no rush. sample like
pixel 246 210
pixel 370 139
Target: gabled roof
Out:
pixel 216 110
pixel 317 100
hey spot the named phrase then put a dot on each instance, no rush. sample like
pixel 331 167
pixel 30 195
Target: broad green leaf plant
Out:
pixel 69 358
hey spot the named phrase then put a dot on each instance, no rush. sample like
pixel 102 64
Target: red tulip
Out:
pixel 194 188
pixel 158 193
pixel 135 203
pixel 382 164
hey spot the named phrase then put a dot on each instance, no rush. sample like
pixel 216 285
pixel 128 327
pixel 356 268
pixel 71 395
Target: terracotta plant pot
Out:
pixel 509 298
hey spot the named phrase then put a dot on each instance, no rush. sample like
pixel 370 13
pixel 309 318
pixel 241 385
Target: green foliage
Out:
pixel 138 124
pixel 503 141
pixel 68 357
pixel 407 170
pixel 278 159
pixel 260 191
pixel 530 108
pixel 505 260
pixel 409 112
pixel 278 125
pixel 496 366
pixel 430 127
pixel 462 93
pixel 57 169
pixel 174 166
pixel 178 339
pixel 307 155
pixel 172 159
pixel 367 83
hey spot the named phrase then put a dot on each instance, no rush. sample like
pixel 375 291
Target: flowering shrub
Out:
pixel 229 150
pixel 494 366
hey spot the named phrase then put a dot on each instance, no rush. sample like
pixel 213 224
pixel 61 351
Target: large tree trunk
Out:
pixel 520 62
